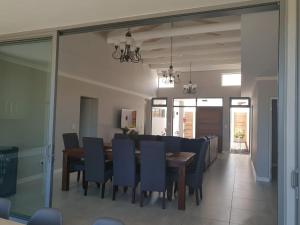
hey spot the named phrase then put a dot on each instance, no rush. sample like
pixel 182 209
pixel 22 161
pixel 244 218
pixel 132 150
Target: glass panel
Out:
pixel 210 102
pixel 159 121
pixel 184 120
pixel 240 102
pixel 25 85
pixel 184 102
pixel 159 102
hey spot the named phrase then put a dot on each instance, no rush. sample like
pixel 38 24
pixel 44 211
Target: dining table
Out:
pixel 8 222
pixel 178 160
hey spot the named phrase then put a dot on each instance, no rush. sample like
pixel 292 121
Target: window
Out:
pixel 231 79
pixel 210 102
pixel 184 102
pixel 159 116
pixel 164 83
pixel 159 101
pixel 240 102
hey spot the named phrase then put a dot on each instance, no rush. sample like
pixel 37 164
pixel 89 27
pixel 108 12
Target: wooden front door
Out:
pixel 209 121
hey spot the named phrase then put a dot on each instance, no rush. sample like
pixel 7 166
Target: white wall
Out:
pixel 88 57
pixel 209 86
pixel 110 101
pixel 87 69
pixel 263 92
pixel 259 58
pixel 18 16
pixel 259 47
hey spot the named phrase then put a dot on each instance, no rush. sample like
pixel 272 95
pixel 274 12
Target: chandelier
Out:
pixel 171 76
pixel 190 88
pixel 128 51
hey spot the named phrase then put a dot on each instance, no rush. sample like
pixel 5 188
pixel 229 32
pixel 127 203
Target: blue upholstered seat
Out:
pixel 46 216
pixel 5 206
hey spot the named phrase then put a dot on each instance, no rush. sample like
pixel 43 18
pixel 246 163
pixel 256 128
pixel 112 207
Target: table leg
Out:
pixel 65 173
pixel 181 188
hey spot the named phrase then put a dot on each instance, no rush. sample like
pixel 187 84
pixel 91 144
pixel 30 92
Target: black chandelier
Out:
pixel 171 75
pixel 190 88
pixel 128 52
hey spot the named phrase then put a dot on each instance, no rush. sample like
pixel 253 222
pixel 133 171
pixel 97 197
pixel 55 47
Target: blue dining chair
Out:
pixel 121 136
pixel 5 206
pixel 46 216
pixel 96 168
pixel 71 141
pixel 153 169
pixel 108 221
pixel 124 166
pixel 145 137
pixel 194 176
pixel 173 144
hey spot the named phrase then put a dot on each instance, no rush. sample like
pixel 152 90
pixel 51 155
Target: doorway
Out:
pixel 88 117
pixel 240 125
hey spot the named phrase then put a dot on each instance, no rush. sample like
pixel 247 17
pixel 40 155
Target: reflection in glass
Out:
pixel 24 123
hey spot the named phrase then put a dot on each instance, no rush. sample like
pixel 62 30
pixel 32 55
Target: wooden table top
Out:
pixel 174 159
pixel 8 222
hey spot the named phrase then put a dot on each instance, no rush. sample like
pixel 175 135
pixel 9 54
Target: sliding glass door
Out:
pixel 27 84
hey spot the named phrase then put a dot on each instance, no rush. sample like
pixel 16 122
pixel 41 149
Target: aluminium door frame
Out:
pixel 54 37
pixel 298 101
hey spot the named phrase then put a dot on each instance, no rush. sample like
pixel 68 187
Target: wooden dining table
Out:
pixel 179 160
pixel 8 222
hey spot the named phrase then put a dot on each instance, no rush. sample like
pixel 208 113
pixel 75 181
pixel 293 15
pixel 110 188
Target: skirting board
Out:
pixel 257 178
pixel 35 177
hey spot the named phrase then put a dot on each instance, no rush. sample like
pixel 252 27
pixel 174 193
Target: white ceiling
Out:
pixel 209 44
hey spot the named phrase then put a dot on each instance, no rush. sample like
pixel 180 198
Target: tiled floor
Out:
pixel 231 196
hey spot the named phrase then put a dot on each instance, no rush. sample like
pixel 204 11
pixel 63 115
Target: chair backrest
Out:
pixel 124 164
pixel 46 216
pixel 144 137
pixel 192 145
pixel 71 140
pixel 200 163
pixel 108 221
pixel 173 144
pixel 121 136
pixel 153 166
pixel 94 159
pixel 5 206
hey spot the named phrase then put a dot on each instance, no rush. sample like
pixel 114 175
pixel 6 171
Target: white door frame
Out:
pixel 287 112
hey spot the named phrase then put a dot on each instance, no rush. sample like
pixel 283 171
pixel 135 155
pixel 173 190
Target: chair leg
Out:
pixel 133 195
pixel 170 192
pixel 142 198
pixel 103 190
pixel 175 188
pixel 164 200
pixel 115 187
pixel 78 176
pixel 197 196
pixel 200 192
pixel 191 191
pixel 86 184
pixel 83 179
